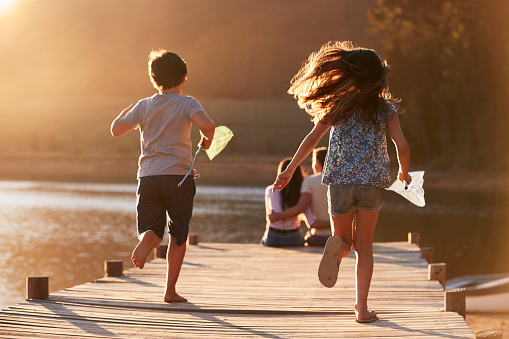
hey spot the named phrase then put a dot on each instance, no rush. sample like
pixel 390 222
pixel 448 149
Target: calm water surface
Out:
pixel 66 231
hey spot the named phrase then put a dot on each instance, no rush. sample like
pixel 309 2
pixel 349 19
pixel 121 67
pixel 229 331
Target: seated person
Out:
pixel 285 232
pixel 313 194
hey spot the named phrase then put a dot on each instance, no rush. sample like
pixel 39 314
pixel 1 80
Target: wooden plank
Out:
pixel 245 290
pixel 310 326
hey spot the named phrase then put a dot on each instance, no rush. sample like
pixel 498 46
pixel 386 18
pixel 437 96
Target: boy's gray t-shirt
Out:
pixel 164 122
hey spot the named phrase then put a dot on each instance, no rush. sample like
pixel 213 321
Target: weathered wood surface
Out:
pixel 246 290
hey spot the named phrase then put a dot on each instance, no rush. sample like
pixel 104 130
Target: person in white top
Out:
pixel 312 194
pixel 285 232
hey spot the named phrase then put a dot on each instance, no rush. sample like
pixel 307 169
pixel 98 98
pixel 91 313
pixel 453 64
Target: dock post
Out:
pixel 37 288
pixel 437 272
pixel 488 334
pixel 113 268
pixel 427 253
pixel 455 301
pixel 193 239
pixel 414 238
pixel 160 251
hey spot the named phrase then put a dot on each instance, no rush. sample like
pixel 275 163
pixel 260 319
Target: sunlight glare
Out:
pixel 7 6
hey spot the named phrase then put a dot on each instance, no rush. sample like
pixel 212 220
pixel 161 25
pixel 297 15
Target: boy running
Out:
pixel 164 121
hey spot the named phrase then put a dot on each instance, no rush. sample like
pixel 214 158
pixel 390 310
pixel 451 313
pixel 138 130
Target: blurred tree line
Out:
pixel 235 49
pixel 68 67
pixel 450 63
pixel 71 66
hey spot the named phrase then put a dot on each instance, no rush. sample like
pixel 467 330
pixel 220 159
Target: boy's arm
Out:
pixel 206 126
pixel 300 207
pixel 307 145
pixel 119 126
pixel 402 148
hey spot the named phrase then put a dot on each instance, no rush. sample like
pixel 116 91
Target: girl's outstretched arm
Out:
pixel 402 148
pixel 307 145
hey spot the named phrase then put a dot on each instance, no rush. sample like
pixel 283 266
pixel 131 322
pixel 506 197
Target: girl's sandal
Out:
pixel 329 265
pixel 373 317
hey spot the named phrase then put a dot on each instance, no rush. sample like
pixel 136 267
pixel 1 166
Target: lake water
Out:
pixel 67 231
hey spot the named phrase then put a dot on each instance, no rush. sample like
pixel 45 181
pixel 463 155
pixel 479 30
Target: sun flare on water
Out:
pixel 7 7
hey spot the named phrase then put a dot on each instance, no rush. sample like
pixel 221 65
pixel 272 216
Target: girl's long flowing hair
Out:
pixel 290 194
pixel 341 79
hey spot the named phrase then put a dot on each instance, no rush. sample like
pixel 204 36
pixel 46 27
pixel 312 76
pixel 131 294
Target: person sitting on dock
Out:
pixel 313 193
pixel 164 121
pixel 286 232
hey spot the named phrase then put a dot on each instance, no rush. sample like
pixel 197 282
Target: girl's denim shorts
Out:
pixel 346 198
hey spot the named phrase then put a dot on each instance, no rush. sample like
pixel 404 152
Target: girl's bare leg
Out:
pixel 175 258
pixel 336 249
pixel 363 245
pixel 343 227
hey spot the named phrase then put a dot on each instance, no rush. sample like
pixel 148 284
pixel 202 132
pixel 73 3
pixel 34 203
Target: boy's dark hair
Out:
pixel 166 69
pixel 319 154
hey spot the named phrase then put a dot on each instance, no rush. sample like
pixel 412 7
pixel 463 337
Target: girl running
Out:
pixel 344 89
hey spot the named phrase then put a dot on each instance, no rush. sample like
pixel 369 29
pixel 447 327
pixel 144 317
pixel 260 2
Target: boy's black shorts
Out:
pixel 158 195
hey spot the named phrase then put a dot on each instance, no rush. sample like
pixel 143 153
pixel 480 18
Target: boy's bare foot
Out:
pixel 174 298
pixel 148 242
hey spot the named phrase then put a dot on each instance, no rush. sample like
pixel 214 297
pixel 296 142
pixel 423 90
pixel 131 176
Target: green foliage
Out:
pixel 449 61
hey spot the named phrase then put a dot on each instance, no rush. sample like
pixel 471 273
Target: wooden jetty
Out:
pixel 247 291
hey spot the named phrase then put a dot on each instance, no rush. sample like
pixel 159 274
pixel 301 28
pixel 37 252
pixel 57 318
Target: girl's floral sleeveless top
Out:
pixel 357 152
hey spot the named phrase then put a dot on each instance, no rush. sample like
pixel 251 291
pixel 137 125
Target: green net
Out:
pixel 222 136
